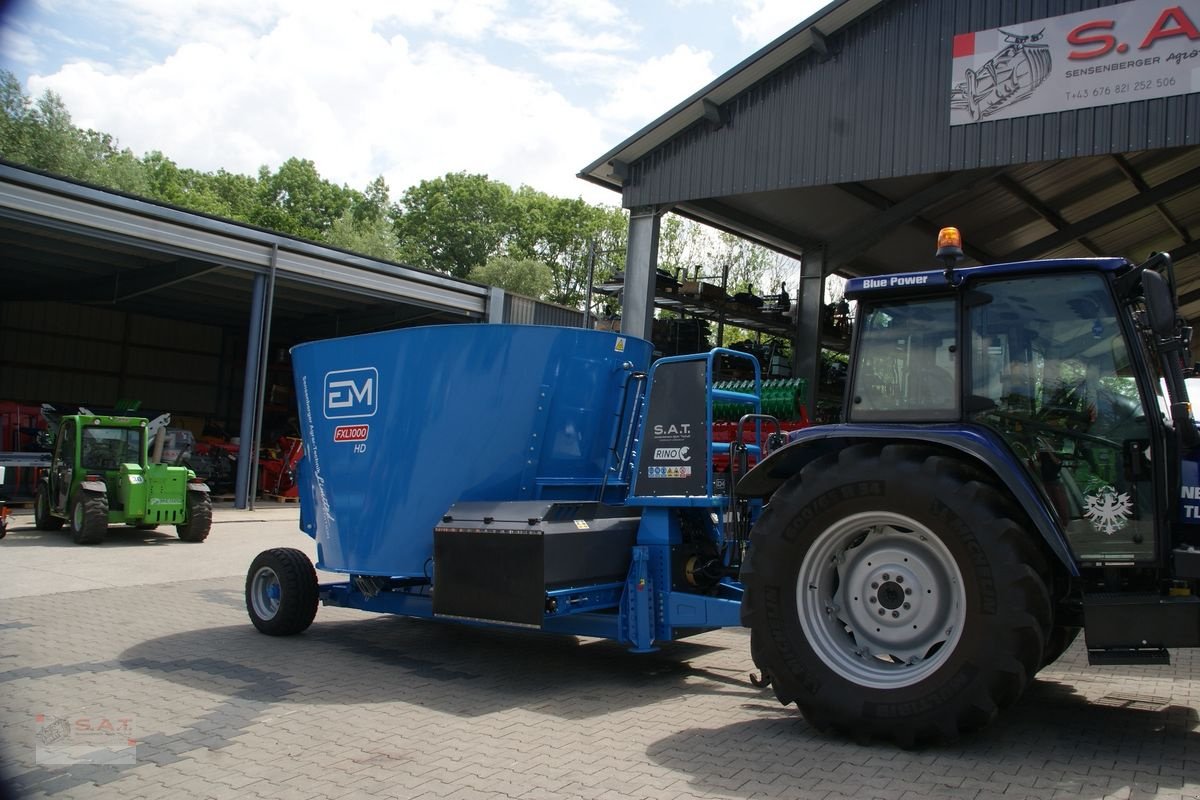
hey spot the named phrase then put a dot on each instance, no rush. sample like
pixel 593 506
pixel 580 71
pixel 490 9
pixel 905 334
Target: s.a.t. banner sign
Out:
pixel 1117 54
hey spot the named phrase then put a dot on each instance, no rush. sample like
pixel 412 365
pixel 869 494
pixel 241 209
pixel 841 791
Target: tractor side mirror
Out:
pixel 1160 306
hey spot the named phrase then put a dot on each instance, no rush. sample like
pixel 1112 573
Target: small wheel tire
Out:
pixel 43 520
pixel 863 652
pixel 281 592
pixel 89 516
pixel 199 521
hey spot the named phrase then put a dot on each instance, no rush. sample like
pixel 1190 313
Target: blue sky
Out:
pixel 527 91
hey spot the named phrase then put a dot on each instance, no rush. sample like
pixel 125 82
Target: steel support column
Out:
pixel 495 305
pixel 641 266
pixel 250 399
pixel 806 357
pixel 264 356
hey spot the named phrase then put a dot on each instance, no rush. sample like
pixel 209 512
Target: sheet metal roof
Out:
pixel 836 135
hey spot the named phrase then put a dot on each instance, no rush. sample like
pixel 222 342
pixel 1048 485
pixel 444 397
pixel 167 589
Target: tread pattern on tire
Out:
pixel 1017 632
pixel 43 520
pixel 298 591
pixel 199 521
pixel 95 517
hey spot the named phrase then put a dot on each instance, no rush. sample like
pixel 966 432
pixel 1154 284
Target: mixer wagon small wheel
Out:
pixel 281 592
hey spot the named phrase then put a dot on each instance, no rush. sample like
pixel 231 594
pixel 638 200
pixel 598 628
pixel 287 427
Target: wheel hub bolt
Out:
pixel 895 614
pixel 907 606
pixel 887 577
pixel 874 584
pixel 871 600
pixel 882 612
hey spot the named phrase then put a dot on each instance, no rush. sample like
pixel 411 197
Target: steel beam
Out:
pixel 1114 213
pixel 806 354
pixel 641 272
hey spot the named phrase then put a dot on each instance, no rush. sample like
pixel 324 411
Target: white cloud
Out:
pixel 658 85
pixel 762 21
pixel 19 48
pixel 333 90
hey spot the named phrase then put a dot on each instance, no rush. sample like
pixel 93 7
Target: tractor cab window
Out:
pixel 108 448
pixel 1051 373
pixel 907 366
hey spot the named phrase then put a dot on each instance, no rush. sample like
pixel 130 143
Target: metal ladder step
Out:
pixel 1115 656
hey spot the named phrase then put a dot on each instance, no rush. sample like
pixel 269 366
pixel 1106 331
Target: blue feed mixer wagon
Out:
pixel 527 476
pixel 1017 462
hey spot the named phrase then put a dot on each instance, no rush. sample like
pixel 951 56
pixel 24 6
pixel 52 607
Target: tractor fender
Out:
pixel 977 443
pixel 93 486
pixel 198 487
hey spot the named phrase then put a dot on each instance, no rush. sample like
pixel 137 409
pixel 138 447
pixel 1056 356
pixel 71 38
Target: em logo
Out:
pixel 351 393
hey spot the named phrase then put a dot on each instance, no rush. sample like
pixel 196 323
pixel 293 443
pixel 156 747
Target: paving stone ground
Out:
pixel 153 630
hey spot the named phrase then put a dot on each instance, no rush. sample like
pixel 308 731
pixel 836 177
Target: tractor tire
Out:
pixel 89 516
pixel 199 521
pixel 1061 637
pixel 890 595
pixel 42 518
pixel 281 592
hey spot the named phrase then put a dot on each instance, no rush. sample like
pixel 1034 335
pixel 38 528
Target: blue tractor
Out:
pixel 1017 462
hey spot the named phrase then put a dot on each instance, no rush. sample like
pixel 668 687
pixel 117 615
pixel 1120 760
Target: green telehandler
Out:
pixel 100 474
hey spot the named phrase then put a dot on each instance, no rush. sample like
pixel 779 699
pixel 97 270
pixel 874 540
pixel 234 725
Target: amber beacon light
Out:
pixel 949 244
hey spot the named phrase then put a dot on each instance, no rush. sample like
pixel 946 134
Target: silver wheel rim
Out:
pixel 265 592
pixel 881 600
pixel 77 515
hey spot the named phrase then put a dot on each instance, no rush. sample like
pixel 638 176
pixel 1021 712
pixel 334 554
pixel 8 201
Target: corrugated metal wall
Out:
pixel 525 311
pixel 879 108
pixel 59 353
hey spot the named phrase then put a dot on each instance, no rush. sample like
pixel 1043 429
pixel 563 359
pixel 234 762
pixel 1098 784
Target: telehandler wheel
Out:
pixel 890 594
pixel 281 592
pixel 89 516
pixel 199 521
pixel 42 518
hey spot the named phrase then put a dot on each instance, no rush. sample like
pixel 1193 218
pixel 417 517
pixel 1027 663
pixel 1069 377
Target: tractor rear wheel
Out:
pixel 281 592
pixel 89 516
pixel 1061 638
pixel 199 521
pixel 890 595
pixel 42 518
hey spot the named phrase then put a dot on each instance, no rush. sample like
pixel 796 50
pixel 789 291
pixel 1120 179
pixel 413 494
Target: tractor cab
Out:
pixel 1053 365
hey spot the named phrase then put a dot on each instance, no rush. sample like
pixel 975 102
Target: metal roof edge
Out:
pixel 122 201
pixel 735 80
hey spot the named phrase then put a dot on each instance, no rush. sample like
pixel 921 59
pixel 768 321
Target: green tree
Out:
pixel 17 128
pixel 680 245
pixel 455 223
pixel 297 200
pixel 559 232
pixel 370 237
pixel 523 276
